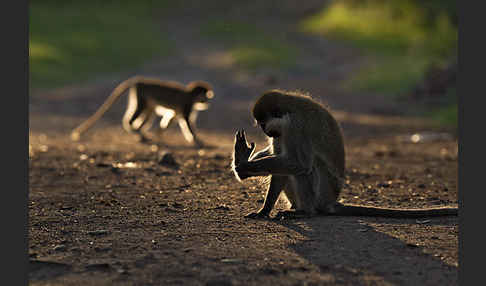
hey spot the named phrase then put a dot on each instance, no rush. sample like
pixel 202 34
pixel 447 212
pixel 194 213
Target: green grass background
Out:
pixel 402 38
pixel 249 45
pixel 74 41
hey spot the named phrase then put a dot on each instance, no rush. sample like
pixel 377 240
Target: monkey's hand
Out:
pixel 242 151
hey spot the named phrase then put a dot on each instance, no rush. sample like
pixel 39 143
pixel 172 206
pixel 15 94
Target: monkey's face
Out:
pixel 209 94
pixel 272 113
pixel 201 101
pixel 203 95
pixel 274 124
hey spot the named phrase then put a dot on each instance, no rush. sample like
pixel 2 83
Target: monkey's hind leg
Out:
pixel 135 108
pixel 277 184
pixel 301 192
pixel 145 126
pixel 138 117
pixel 329 189
pixel 140 125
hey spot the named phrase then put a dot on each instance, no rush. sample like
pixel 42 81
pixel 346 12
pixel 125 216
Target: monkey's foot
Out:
pixel 199 144
pixel 292 215
pixel 257 215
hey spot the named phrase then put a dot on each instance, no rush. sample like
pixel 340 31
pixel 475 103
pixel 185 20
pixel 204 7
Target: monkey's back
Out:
pixel 315 122
pixel 169 94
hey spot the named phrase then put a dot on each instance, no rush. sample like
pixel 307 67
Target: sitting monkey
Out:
pixel 305 159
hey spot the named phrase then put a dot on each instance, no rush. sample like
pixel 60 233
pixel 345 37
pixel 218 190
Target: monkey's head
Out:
pixel 271 112
pixel 201 90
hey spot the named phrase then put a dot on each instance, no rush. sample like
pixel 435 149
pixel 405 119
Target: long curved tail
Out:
pixel 354 210
pixel 115 94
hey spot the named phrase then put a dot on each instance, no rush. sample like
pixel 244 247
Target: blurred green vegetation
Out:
pixel 75 40
pixel 388 27
pixel 250 46
pixel 389 74
pixel 403 38
pixel 447 115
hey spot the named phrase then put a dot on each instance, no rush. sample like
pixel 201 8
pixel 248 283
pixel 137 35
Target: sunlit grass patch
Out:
pixel 74 41
pixel 369 26
pixel 389 75
pixel 250 46
pixel 45 52
pixel 399 36
pixel 402 38
pixel 273 54
pixel 385 26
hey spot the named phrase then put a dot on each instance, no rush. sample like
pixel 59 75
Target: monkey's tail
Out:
pixel 115 94
pixel 353 210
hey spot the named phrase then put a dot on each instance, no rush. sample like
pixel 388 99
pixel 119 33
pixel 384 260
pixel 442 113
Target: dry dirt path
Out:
pixel 96 220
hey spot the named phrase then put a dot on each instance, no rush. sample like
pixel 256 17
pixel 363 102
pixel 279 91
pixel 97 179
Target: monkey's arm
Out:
pixel 270 165
pixel 262 153
pixel 191 122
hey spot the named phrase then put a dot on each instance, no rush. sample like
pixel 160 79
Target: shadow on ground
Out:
pixel 361 255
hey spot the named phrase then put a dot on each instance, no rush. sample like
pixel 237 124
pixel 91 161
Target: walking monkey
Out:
pixel 151 97
pixel 305 159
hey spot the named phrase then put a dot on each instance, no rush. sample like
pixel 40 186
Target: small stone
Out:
pixel 379 153
pixel 98 232
pixel 393 153
pixel 384 185
pixel 98 267
pixel 60 247
pixel 167 159
pixel 177 205
pixel 163 174
pixel 102 249
pixel 115 170
pixel 222 207
pixel 103 165
pixel 423 221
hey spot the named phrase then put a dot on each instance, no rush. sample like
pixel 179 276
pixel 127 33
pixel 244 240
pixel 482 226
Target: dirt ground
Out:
pixel 109 210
